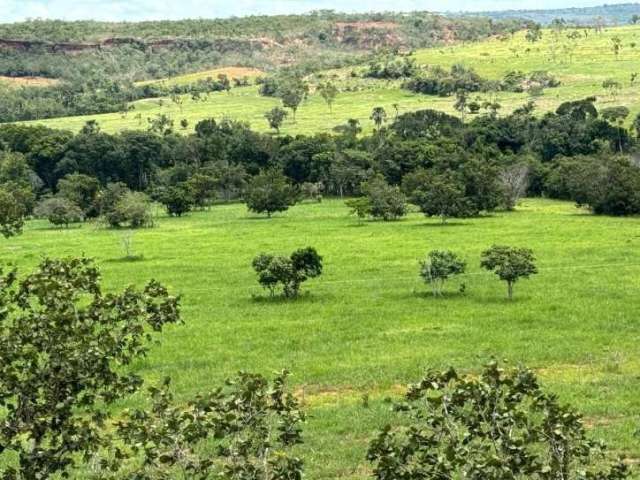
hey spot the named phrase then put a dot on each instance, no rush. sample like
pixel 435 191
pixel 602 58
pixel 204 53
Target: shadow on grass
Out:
pixel 280 299
pixel 441 225
pixel 129 259
pixel 427 295
pixel 56 228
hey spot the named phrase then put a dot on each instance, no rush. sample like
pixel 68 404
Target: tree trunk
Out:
pixel 510 290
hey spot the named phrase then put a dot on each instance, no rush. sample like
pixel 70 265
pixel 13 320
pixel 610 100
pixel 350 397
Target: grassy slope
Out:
pixel 591 62
pixel 231 72
pixel 368 325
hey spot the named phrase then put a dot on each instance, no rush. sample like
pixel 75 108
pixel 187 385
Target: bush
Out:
pixel 82 191
pixel 270 192
pixel 510 264
pixel 12 214
pixel 439 266
pixel 59 211
pixel 386 202
pixel 133 209
pixel 497 425
pixel 289 272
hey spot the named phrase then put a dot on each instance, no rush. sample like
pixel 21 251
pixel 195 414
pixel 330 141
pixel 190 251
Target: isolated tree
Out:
pixel 360 207
pixel 184 123
pixel 510 264
pixel 514 180
pixel 59 211
pixel 461 103
pixel 379 117
pixel 270 192
pixel 224 81
pixel 276 117
pixel 616 45
pixel 12 214
pixel 328 91
pixel 497 425
pixel 612 86
pixel 439 266
pixel 61 377
pixel 386 201
pixel 292 95
pixel 289 272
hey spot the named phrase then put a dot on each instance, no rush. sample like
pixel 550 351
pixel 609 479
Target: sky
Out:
pixel 133 10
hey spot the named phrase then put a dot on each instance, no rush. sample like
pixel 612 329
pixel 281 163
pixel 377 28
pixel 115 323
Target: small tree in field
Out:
pixel 270 192
pixel 329 92
pixel 276 117
pixel 439 266
pixel 510 264
pixel 289 272
pixel 385 201
pixel 498 425
pixel 177 199
pixel 63 345
pixel 360 207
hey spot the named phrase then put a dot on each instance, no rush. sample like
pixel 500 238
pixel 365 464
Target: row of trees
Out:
pixel 62 378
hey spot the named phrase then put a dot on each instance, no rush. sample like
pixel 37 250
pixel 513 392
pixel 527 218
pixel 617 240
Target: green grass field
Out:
pixel 582 65
pixel 368 325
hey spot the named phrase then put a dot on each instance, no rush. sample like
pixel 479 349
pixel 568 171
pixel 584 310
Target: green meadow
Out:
pixel 581 64
pixel 368 326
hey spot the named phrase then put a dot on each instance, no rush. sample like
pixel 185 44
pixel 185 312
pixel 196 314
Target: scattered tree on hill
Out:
pixel 510 264
pixel 60 377
pixel 224 81
pixel 276 117
pixel 439 266
pixel 59 211
pixel 534 33
pixel 270 192
pixel 379 117
pixel 496 425
pixel 292 95
pixel 289 272
pixel 329 92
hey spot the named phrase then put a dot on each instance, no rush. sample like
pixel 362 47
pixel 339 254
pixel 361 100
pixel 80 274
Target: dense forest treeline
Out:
pixel 428 158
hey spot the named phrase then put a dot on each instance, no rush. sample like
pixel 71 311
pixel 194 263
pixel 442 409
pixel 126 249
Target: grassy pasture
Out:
pixel 368 325
pixel 582 65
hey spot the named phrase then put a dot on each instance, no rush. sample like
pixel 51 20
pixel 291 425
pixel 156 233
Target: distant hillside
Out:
pixel 610 14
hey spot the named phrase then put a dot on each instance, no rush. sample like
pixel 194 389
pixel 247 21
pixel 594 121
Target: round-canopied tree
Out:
pixel 270 192
pixel 439 266
pixel 510 264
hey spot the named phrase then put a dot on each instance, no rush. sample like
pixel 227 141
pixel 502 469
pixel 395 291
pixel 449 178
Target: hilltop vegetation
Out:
pixel 582 60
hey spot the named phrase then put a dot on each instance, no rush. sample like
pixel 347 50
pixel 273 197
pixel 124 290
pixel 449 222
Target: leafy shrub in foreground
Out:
pixel 289 272
pixel 499 425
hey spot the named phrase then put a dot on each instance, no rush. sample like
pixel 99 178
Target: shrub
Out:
pixel 385 201
pixel 82 191
pixel 439 266
pixel 270 192
pixel 289 272
pixel 510 264
pixel 133 209
pixel 59 211
pixel 497 425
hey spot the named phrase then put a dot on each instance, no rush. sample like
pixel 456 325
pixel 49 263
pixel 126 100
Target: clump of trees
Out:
pixel 510 264
pixel 440 266
pixel 499 424
pixel 287 272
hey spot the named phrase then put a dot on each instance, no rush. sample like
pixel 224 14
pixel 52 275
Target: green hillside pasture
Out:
pixel 582 65
pixel 368 325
